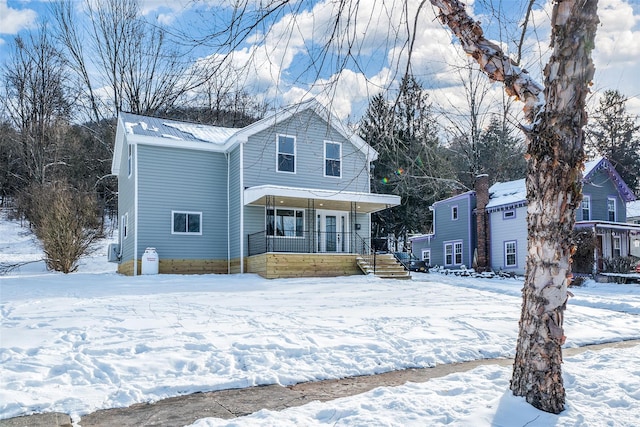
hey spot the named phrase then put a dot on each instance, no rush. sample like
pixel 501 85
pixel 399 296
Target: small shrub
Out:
pixel 65 221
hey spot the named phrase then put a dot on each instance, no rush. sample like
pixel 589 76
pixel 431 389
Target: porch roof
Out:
pixel 323 199
pixel 608 225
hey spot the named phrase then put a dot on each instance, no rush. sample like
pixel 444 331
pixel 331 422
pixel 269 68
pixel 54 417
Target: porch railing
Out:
pixel 307 242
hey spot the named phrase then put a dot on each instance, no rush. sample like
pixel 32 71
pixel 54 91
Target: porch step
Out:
pixel 387 267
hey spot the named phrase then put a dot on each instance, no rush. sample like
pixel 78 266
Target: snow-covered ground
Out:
pixel 94 339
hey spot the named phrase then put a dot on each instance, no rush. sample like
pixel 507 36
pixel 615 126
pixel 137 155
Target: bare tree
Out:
pixel 143 70
pixel 37 100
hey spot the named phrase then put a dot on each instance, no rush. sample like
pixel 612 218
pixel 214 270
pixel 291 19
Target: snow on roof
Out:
pixel 506 193
pixel 174 130
pixel 633 209
pixel 590 166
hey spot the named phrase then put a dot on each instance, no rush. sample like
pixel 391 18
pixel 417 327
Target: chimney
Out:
pixel 482 222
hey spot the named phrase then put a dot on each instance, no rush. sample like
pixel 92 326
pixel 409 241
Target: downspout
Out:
pixel 228 219
pixel 241 207
pixel 135 207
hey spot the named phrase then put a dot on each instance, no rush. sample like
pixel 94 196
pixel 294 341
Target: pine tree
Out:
pixel 615 134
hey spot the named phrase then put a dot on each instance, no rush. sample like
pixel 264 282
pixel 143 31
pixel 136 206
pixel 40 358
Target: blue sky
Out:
pixel 274 64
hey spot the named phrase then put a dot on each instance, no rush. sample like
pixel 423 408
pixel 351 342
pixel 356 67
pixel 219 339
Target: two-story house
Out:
pixel 499 227
pixel 453 240
pixel 286 196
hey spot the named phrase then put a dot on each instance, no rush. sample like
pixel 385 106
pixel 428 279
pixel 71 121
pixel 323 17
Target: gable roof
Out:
pixel 172 133
pixel 510 193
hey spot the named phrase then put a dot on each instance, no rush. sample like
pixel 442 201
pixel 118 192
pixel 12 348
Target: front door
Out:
pixel 333 228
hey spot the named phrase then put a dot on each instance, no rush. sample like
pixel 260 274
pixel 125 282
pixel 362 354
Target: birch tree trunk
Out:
pixel 556 155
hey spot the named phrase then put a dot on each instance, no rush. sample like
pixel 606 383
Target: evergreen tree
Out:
pixel 614 134
pixel 411 162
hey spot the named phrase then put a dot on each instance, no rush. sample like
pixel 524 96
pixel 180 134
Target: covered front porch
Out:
pixel 311 232
pixel 610 241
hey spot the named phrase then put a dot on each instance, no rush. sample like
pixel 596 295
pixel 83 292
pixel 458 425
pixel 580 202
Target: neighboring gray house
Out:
pixel 286 196
pixel 499 227
pixel 453 241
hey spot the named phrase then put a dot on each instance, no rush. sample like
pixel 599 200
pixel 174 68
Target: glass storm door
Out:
pixel 333 231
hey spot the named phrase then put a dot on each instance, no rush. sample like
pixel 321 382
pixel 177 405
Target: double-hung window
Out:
pixel 426 256
pixel 453 253
pixel 616 247
pixel 186 222
pixel 586 208
pixel 510 253
pixel 286 155
pixel 611 209
pixel 332 159
pixel 454 213
pixel 285 222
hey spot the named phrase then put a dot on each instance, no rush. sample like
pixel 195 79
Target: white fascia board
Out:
pixel 173 143
pixel 118 149
pixel 252 194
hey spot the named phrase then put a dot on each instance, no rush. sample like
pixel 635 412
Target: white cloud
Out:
pixel 14 20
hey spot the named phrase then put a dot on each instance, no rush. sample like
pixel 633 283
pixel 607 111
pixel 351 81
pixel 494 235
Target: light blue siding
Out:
pixel 126 194
pixel 599 188
pixel 310 132
pixel 182 180
pixel 235 203
pixel 450 230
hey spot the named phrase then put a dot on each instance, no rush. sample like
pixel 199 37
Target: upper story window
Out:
pixel 510 214
pixel 454 212
pixel 586 208
pixel 286 154
pixel 130 160
pixel 186 222
pixel 611 209
pixel 285 222
pixel 332 159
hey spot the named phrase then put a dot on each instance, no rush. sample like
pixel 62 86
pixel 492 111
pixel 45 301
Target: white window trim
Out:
pixel 186 233
pixel 509 211
pixel 453 245
pixel 586 198
pixel 515 254
pixel 426 251
pixel 615 208
pixel 275 210
pixel 129 160
pixel 125 225
pixel 616 240
pixel 324 164
pixel 457 215
pixel 295 153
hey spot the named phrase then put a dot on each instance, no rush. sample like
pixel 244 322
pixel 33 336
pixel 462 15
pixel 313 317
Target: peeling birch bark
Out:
pixel 554 191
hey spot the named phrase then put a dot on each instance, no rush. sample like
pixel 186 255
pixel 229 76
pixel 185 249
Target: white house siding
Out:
pixel 173 179
pixel 310 131
pixel 503 230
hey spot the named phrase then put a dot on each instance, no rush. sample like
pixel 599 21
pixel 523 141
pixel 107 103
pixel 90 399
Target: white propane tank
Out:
pixel 150 261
